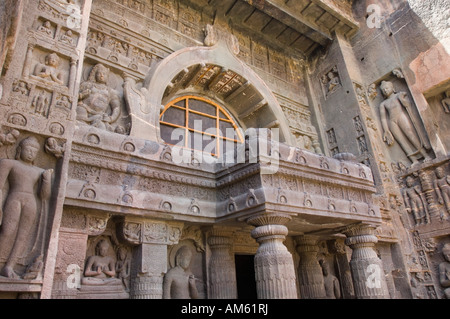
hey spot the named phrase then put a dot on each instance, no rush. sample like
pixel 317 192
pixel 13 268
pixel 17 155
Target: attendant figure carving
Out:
pixel 27 185
pixel 446 102
pixel 331 283
pixel 444 271
pixel 398 124
pixel 442 187
pixel 179 282
pixel 99 105
pixel 414 202
pixel 123 266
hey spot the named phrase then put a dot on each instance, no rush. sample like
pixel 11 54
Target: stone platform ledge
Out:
pixel 102 292
pixel 20 285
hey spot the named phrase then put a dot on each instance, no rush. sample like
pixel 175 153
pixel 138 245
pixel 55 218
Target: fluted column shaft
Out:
pixel 148 273
pixel 222 271
pixel 310 274
pixel 274 266
pixel 367 269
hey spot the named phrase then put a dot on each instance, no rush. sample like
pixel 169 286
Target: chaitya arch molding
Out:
pixel 220 50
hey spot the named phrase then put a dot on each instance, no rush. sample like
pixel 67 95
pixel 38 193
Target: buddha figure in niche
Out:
pixel 28 185
pixel 398 125
pixel 179 282
pixel 100 269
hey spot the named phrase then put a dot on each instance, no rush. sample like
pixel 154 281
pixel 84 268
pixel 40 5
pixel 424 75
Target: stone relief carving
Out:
pixel 99 105
pixel 331 283
pixel 34 271
pixel 444 271
pixel 57 149
pixel 49 71
pixel 9 138
pixel 331 81
pixel 21 213
pixel 100 268
pixel 123 266
pixel 446 102
pixel 179 282
pixel 46 28
pixel 414 202
pixel 398 124
pixel 442 187
pixel 372 92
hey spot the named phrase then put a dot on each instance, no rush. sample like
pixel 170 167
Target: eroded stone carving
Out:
pixel 100 269
pixel 179 282
pixel 444 271
pixel 414 202
pixel 99 105
pixel 398 125
pixel 331 283
pixel 52 146
pixel 446 102
pixel 442 187
pixel 123 266
pixel 21 210
pixel 331 81
pixel 50 71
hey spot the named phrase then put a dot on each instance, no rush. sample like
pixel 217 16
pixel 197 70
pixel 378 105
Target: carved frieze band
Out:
pixel 150 232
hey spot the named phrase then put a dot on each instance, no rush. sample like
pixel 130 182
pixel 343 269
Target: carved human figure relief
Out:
pixel 99 105
pixel 414 202
pixel 398 125
pixel 331 283
pixel 330 81
pixel 100 268
pixel 28 185
pixel 444 271
pixel 446 102
pixel 46 28
pixel 123 266
pixel 49 71
pixel 41 103
pixel 442 187
pixel 179 282
pixel 67 38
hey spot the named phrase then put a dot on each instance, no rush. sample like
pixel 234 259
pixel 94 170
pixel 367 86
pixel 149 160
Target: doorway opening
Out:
pixel 245 276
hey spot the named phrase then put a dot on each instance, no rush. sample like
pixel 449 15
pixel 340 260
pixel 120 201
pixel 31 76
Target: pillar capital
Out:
pixel 309 270
pixel 367 269
pixel 307 243
pixel 263 219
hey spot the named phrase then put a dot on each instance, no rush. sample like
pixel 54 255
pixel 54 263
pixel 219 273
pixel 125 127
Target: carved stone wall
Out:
pixel 363 150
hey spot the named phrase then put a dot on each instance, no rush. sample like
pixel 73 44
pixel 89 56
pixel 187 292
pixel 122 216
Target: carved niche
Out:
pixel 100 102
pixel 401 126
pixel 25 212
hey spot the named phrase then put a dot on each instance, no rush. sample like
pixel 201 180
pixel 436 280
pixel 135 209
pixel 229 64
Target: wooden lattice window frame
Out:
pixel 221 116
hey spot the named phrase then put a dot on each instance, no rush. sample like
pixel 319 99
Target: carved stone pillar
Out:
pixel 367 269
pixel 428 190
pixel 150 257
pixel 337 247
pixel 148 274
pixel 274 266
pixel 72 74
pixel 310 274
pixel 222 271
